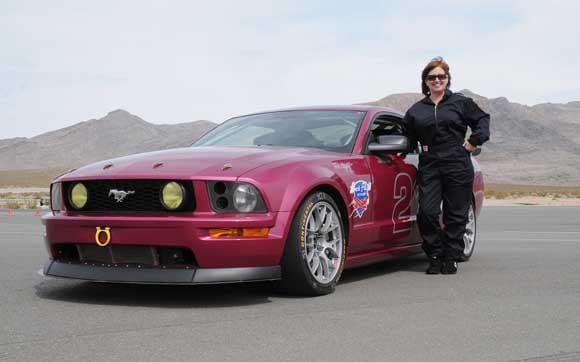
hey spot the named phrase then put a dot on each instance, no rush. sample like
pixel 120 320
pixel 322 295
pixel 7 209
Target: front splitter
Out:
pixel 142 275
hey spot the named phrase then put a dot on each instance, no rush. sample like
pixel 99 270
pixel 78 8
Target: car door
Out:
pixel 393 176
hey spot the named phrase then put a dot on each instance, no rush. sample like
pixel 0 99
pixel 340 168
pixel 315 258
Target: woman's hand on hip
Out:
pixel 468 146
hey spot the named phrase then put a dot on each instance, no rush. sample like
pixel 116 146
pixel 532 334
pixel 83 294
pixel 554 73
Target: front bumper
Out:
pixel 189 232
pixel 100 273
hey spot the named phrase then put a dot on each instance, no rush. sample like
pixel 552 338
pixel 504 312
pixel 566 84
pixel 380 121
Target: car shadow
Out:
pixel 415 263
pixel 163 296
pixel 201 296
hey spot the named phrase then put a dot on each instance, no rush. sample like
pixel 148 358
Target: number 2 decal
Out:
pixel 402 193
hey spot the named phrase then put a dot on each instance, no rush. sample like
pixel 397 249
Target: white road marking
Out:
pixel 19 224
pixel 531 239
pixel 20 233
pixel 541 232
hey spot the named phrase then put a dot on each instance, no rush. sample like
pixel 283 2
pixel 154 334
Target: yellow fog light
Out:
pixel 172 195
pixel 245 232
pixel 79 196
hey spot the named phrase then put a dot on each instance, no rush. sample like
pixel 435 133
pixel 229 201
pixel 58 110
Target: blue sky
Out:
pixel 63 62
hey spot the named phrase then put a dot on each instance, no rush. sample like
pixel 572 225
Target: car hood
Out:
pixel 194 162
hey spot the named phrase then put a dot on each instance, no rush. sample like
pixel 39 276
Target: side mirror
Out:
pixel 390 144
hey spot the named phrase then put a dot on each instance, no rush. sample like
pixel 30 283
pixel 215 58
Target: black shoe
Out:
pixel 434 266
pixel 449 267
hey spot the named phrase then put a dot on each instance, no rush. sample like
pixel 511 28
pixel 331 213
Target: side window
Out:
pixel 385 126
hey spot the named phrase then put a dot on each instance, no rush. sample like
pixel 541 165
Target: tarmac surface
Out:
pixel 518 299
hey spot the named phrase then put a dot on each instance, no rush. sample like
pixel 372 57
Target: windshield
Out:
pixel 329 130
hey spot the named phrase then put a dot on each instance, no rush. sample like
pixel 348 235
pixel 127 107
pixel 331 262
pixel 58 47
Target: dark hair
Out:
pixel 434 63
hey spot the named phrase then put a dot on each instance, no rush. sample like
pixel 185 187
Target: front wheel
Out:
pixel 470 234
pixel 315 249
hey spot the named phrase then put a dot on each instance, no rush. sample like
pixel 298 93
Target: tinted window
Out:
pixel 329 130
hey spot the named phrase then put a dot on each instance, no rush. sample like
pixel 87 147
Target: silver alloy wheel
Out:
pixel 469 236
pixel 323 244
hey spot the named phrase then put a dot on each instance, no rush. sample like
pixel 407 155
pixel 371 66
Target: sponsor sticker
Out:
pixel 360 197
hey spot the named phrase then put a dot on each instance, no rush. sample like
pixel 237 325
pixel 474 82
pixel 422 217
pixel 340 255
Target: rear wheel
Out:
pixel 315 249
pixel 470 234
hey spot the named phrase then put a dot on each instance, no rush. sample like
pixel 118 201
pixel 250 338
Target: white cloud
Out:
pixel 195 60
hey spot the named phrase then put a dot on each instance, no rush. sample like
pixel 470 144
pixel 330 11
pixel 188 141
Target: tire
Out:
pixel 315 250
pixel 470 234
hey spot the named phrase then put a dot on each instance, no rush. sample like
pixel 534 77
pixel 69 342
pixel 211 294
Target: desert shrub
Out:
pixel 31 204
pixel 12 205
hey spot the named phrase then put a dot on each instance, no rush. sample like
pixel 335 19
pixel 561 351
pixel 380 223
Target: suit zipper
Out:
pixel 436 122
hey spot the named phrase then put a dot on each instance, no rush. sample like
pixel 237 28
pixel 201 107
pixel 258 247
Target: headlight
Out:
pixel 55 197
pixel 172 195
pixel 229 196
pixel 78 196
pixel 245 198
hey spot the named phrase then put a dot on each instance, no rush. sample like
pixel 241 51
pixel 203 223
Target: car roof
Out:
pixel 354 107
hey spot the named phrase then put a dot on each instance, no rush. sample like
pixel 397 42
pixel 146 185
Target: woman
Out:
pixel 439 123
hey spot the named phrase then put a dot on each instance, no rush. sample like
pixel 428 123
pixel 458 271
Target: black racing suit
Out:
pixel 445 171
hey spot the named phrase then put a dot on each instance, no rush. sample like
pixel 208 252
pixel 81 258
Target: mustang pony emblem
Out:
pixel 120 194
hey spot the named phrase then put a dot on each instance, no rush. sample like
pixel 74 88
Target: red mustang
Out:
pixel 295 195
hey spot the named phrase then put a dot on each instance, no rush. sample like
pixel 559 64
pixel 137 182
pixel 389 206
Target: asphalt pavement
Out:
pixel 518 299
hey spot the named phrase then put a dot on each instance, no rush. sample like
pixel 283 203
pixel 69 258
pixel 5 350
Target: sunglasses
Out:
pixel 432 77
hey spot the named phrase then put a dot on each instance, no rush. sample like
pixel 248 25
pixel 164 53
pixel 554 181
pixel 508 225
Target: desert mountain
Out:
pixel 529 144
pixel 11 141
pixel 119 133
pixel 537 144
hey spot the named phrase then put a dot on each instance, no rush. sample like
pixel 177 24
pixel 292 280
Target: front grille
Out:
pixel 143 195
pixel 115 255
pixel 125 254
